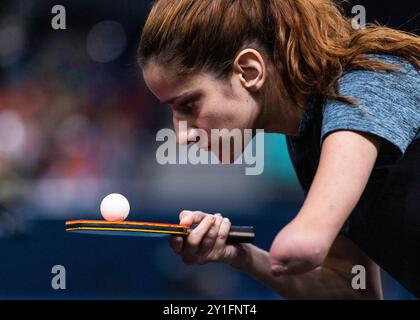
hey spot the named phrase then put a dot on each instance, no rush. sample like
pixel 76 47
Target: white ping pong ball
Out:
pixel 115 207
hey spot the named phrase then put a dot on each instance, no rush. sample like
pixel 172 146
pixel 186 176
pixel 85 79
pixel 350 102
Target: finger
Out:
pixel 198 216
pixel 222 235
pixel 185 213
pixel 195 237
pixel 176 243
pixel 209 240
pixel 187 218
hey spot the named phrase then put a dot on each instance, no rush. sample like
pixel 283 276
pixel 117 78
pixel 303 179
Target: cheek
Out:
pixel 181 131
pixel 219 114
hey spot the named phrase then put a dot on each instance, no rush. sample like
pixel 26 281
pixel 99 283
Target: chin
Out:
pixel 231 153
pixel 230 158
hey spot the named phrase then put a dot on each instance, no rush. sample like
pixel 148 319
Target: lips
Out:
pixel 205 147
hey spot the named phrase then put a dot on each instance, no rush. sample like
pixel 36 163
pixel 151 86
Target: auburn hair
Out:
pixel 310 43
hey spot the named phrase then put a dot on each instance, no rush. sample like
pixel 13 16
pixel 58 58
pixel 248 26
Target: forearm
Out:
pixel 320 283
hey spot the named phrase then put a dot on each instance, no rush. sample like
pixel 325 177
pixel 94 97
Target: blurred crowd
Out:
pixel 77 121
pixel 67 118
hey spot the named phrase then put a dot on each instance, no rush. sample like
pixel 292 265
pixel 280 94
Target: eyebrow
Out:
pixel 182 95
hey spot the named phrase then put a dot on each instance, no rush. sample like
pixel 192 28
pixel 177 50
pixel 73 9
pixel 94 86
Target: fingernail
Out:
pixel 184 221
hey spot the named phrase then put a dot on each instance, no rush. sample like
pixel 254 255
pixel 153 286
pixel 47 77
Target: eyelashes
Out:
pixel 185 107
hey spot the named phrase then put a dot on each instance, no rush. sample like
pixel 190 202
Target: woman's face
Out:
pixel 204 103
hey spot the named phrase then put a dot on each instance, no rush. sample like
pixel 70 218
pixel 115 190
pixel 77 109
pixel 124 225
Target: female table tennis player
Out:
pixel 348 101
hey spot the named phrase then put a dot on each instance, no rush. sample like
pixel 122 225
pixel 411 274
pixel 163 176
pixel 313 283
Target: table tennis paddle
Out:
pixel 237 234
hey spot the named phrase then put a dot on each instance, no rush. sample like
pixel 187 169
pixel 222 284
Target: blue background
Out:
pixel 80 124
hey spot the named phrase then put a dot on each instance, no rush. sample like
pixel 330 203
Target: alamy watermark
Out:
pixel 58 281
pixel 359 20
pixel 58 22
pixel 358 281
pixel 230 146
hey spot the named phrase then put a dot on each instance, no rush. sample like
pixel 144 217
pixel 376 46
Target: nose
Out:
pixel 185 134
pixel 193 135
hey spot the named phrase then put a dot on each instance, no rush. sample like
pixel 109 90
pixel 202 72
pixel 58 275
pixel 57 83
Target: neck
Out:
pixel 284 117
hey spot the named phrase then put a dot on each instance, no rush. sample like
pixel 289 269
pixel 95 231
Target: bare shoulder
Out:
pixel 344 255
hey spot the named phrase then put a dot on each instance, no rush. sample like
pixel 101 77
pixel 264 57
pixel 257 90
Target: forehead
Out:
pixel 165 84
pixel 162 81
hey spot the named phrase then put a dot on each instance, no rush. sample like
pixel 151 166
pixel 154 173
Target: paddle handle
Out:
pixel 237 234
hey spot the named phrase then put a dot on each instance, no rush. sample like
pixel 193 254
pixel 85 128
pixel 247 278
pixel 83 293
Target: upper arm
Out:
pixel 346 162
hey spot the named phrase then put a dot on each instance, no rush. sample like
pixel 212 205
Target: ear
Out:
pixel 250 66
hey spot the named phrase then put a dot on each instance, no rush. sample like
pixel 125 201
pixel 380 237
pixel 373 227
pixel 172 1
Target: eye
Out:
pixel 185 107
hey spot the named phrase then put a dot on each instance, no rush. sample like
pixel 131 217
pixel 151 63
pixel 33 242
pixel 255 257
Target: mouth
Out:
pixel 203 145
pixel 205 148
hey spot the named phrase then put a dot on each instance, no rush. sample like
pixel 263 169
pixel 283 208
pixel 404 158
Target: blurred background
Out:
pixel 77 123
